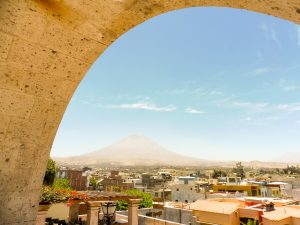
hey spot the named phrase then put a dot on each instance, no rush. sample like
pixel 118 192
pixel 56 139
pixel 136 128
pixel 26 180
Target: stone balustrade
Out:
pixel 93 212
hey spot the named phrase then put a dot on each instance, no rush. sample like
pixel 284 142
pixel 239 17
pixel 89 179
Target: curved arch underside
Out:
pixel 46 48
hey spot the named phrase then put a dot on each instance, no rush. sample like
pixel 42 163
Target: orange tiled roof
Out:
pixel 281 213
pixel 215 206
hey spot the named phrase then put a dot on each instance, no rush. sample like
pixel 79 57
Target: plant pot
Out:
pixel 44 206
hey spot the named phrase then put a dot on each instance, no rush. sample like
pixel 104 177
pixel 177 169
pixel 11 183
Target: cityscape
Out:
pixel 180 190
pixel 157 112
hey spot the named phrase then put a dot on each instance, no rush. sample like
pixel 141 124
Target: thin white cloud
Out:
pixel 138 106
pixel 251 105
pixel 247 119
pixel 260 120
pixel 287 86
pixel 270 33
pixel 145 106
pixel 275 38
pixel 201 92
pixel 263 107
pixel 132 97
pixel 193 111
pixel 216 93
pixel 261 70
pixel 84 102
pixel 264 27
pixel 292 107
pixel 298 121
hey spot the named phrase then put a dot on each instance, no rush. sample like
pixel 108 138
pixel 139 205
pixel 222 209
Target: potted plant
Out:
pixel 50 196
pixel 76 197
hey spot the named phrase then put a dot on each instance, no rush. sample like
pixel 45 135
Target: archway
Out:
pixel 46 49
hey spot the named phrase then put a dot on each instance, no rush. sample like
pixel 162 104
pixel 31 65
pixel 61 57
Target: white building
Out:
pixel 185 189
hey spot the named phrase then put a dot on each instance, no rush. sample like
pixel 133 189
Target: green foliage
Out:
pixel 122 205
pixel 239 170
pixel 54 190
pixel 250 222
pixel 146 197
pixel 291 170
pixel 49 195
pixel 50 173
pixel 61 184
pixel 218 173
pixel 146 201
pixel 116 189
pixel 93 182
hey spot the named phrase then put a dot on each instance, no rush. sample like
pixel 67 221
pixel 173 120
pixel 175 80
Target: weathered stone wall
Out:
pixel 46 47
pixel 146 220
pixel 143 211
pixel 178 215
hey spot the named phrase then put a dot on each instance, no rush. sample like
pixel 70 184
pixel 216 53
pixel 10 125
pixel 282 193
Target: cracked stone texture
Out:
pixel 46 48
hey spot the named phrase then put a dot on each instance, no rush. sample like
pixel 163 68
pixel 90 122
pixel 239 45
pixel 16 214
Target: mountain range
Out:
pixel 138 150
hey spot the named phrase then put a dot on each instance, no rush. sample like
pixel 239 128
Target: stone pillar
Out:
pixel 93 208
pixel 41 218
pixel 42 214
pixel 133 205
pixel 74 212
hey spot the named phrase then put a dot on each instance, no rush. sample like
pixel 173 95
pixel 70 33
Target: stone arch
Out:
pixel 46 48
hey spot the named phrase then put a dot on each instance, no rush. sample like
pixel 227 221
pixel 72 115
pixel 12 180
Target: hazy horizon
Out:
pixel 204 82
pixel 275 159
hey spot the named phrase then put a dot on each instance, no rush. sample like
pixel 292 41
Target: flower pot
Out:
pixel 44 207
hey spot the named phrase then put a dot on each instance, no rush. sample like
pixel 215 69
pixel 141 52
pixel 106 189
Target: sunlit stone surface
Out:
pixel 46 47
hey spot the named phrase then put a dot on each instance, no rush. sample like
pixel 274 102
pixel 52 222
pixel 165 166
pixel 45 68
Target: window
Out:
pixel 177 189
pixel 186 201
pixel 231 180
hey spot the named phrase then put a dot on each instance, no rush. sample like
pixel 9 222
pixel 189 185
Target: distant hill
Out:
pixel 135 150
pixel 290 157
pixel 138 150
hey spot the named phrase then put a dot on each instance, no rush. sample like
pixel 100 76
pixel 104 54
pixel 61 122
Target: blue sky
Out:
pixel 214 83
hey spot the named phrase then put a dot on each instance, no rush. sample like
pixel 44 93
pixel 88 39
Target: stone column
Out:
pixel 42 214
pixel 133 205
pixel 74 212
pixel 93 212
pixel 41 218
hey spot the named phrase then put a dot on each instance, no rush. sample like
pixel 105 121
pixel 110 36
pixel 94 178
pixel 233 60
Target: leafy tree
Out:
pixel 93 182
pixel 116 189
pixel 62 183
pixel 146 201
pixel 122 205
pixel 218 173
pixel 50 173
pixel 292 170
pixel 239 170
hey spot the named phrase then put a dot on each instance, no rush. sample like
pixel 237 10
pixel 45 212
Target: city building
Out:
pixel 79 179
pixel 250 189
pixel 246 211
pixel 152 181
pixel 114 183
pixel 187 189
pixel 162 195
